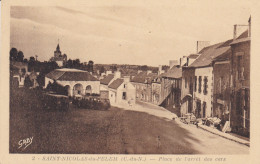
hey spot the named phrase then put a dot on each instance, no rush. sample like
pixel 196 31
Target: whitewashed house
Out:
pixel 121 91
pixel 77 82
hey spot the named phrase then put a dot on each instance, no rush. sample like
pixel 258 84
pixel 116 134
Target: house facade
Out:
pixel 143 85
pixel 121 91
pixel 171 89
pixel 188 87
pixel 18 71
pixel 203 96
pixel 240 83
pixel 202 84
pixel 156 90
pixel 221 88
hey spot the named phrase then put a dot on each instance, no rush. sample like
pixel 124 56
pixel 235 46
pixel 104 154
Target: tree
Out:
pixel 25 60
pixel 27 82
pixel 144 67
pixel 76 63
pixel 90 66
pixel 69 63
pixel 32 59
pixel 20 56
pixel 113 68
pixel 13 54
pixel 102 69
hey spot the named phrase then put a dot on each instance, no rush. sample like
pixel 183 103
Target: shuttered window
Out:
pixel 205 86
pixel 195 84
pixel 200 80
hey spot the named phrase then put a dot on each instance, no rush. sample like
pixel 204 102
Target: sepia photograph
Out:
pixel 144 78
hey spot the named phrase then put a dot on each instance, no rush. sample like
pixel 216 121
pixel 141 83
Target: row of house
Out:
pixel 213 82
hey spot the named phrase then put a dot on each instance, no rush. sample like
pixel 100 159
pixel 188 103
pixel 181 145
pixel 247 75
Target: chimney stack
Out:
pixel 117 75
pixel 235 32
pixel 249 29
pixel 201 45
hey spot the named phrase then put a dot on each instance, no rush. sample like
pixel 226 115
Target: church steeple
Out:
pixel 58 48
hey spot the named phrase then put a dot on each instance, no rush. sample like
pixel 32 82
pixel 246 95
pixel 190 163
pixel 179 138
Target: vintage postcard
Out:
pixel 129 81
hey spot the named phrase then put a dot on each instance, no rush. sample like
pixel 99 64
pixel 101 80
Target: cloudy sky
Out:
pixel 143 33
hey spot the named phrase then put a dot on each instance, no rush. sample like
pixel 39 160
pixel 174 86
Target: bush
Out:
pixel 55 102
pixel 57 88
pixel 91 103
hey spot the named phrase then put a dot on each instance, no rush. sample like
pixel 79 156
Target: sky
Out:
pixel 119 33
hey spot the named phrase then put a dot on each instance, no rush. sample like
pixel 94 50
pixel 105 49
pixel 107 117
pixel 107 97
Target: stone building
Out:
pixel 221 88
pixel 121 91
pixel 203 81
pixel 77 82
pixel 143 85
pixel 240 82
pixel 171 89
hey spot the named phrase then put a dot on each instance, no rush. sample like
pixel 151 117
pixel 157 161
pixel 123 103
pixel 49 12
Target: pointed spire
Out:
pixel 58 47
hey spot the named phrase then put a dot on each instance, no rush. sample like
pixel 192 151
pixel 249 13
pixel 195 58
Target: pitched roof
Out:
pixel 209 53
pixel 174 72
pixel 116 83
pixel 107 79
pixel 193 56
pixel 143 77
pixel 71 75
pixel 242 38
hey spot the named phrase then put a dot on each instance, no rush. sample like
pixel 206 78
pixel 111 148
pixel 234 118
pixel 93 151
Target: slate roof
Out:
pixel 116 83
pixel 174 72
pixel 71 75
pixel 107 79
pixel 209 53
pixel 143 77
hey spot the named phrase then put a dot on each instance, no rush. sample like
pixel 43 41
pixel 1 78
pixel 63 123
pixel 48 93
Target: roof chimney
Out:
pixel 117 74
pixel 249 24
pixel 235 32
pixel 201 45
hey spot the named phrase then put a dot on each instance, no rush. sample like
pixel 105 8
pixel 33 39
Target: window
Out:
pixel 205 90
pixel 124 85
pixel 185 82
pixel 195 84
pixel 124 96
pixel 199 89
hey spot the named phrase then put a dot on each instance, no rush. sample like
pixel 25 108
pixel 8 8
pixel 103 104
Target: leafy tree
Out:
pixel 25 60
pixel 113 68
pixel 90 66
pixel 27 82
pixel 32 59
pixel 20 56
pixel 69 63
pixel 144 67
pixel 102 69
pixel 13 54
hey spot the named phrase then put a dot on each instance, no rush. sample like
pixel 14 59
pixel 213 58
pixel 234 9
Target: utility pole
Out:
pixel 36 56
